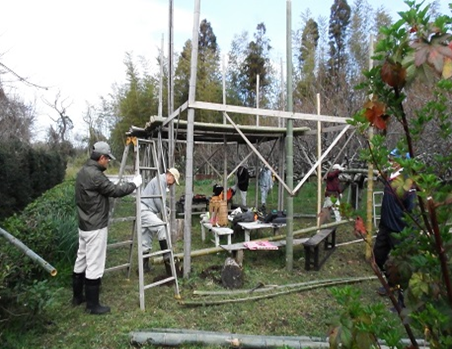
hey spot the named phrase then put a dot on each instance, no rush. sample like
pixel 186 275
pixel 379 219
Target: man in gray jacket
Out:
pixel 92 192
pixel 152 206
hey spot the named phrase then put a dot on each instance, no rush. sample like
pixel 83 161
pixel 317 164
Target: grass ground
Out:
pixel 307 313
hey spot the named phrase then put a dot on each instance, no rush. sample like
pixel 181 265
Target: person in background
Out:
pixel 151 224
pixel 392 222
pixel 333 190
pixel 241 186
pixel 92 192
pixel 265 185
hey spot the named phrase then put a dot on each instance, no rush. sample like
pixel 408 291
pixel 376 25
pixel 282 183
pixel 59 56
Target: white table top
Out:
pixel 260 225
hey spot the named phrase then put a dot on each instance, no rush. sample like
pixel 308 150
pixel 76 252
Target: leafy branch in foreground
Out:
pixel 410 87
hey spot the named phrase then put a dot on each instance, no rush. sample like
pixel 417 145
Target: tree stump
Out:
pixel 232 274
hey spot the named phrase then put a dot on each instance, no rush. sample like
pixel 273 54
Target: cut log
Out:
pixel 232 274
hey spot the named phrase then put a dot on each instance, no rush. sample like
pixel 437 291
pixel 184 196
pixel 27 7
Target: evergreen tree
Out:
pixel 135 102
pixel 339 21
pixel 306 86
pixel 257 62
pixel 209 86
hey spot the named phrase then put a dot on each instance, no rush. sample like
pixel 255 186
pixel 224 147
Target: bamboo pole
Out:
pixel 181 337
pixel 30 253
pixel 271 295
pixel 267 288
pixel 319 166
pixel 190 141
pixel 289 142
pixel 370 182
pixel 174 337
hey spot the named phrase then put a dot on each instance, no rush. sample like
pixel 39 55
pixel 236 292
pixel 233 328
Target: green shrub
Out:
pixel 48 226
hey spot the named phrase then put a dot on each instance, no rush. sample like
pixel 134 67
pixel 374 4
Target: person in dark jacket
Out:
pixel 243 179
pixel 333 190
pixel 392 220
pixel 92 192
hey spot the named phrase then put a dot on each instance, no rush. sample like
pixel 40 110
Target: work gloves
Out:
pixel 137 180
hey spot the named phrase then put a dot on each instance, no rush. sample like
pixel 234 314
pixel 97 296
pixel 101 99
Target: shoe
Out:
pixel 92 298
pixel 166 257
pixel 147 268
pixel 78 284
pixel 382 291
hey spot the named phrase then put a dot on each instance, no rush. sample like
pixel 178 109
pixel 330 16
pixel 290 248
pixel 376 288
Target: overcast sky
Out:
pixel 78 47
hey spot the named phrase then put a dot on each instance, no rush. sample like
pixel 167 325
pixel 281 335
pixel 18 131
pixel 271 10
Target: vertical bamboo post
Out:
pixel 370 174
pixel 319 167
pixel 190 141
pixel 289 142
pixel 257 98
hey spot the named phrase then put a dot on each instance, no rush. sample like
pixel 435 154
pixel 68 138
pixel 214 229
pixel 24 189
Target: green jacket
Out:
pixel 92 192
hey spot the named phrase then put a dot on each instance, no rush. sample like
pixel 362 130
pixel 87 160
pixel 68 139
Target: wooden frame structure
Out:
pixel 191 132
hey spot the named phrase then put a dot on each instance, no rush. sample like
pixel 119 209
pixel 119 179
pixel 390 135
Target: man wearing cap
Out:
pixel 392 215
pixel 333 190
pixel 92 192
pixel 152 206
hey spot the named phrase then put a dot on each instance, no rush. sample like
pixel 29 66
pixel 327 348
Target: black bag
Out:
pixel 275 217
pixel 247 216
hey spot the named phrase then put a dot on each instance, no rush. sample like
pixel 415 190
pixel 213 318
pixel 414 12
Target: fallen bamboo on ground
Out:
pixel 29 252
pixel 267 288
pixel 271 295
pixel 174 338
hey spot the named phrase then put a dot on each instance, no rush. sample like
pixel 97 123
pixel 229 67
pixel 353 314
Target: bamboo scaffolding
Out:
pixel 27 251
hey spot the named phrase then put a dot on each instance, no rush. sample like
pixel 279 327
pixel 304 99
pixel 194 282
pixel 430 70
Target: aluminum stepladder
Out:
pixel 112 220
pixel 377 200
pixel 149 165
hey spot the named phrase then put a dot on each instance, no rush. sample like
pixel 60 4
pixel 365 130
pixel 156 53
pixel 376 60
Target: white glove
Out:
pixel 137 180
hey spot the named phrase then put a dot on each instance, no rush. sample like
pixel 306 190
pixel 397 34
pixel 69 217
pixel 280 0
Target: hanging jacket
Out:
pixel 243 178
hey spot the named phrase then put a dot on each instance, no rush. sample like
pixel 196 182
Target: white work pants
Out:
pixel 92 252
pixel 334 207
pixel 264 193
pixel 151 225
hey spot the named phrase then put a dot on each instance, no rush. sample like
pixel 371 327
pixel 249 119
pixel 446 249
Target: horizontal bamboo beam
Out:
pixel 206 251
pixel 267 112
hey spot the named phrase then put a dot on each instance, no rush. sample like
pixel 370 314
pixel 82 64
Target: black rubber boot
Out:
pixel 92 298
pixel 166 257
pixel 78 283
pixel 146 265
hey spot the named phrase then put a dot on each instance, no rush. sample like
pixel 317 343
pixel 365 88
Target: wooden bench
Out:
pixel 311 248
pixel 217 231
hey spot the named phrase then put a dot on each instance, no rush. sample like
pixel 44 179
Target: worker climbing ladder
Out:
pixel 149 163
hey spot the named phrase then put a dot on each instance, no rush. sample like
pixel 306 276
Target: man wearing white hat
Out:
pixel 151 207
pixel 333 190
